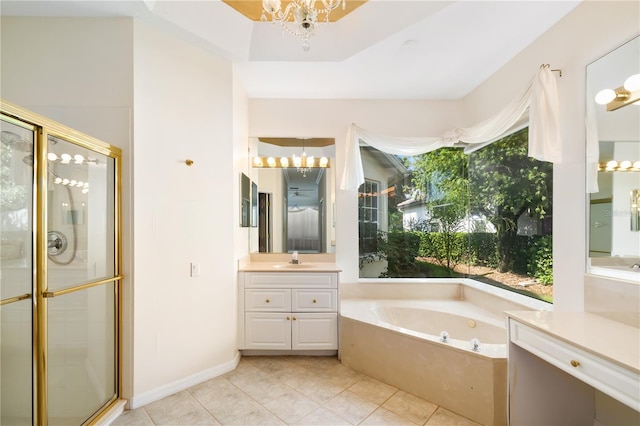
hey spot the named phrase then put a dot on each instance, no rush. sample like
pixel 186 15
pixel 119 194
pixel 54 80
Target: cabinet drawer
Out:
pixel 290 279
pixel 267 300
pixel 314 300
pixel 609 378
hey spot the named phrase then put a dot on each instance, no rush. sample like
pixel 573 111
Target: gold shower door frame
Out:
pixel 44 128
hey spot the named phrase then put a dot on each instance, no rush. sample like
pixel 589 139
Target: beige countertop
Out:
pixel 288 267
pixel 612 340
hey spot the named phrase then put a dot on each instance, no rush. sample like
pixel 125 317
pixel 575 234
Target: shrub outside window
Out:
pixel 485 215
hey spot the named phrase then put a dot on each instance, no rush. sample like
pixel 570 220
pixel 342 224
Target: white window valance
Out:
pixel 539 100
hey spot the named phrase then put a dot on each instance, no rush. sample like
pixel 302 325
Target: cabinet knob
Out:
pixel 267 301
pixel 288 318
pixel 315 301
pixel 575 363
pixel 294 318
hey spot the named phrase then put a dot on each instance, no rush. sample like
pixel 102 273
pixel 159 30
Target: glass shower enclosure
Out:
pixel 59 272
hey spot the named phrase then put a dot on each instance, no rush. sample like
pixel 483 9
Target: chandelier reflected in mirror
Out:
pixel 300 17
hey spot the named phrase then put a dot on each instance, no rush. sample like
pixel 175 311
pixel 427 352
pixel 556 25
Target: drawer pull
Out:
pixel 575 363
pixel 315 301
pixel 267 301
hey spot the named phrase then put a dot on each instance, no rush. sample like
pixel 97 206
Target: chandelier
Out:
pixel 299 17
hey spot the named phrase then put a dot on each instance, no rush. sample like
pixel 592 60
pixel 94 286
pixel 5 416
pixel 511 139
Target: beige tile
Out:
pixel 384 417
pixel 293 376
pixel 291 406
pixel 351 407
pixel 343 376
pixel 137 417
pixel 239 409
pixel 319 389
pixel 373 390
pixel 213 391
pixel 245 375
pixel 323 417
pixel 264 389
pixel 444 417
pixel 410 407
pixel 179 409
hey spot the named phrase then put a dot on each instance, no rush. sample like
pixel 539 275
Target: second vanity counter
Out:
pixel 558 360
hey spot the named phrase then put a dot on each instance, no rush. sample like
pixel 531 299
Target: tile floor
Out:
pixel 293 390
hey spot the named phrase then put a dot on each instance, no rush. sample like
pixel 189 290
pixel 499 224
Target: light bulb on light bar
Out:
pixel 52 156
pixel 78 159
pixel 310 161
pixel 636 165
pixel 324 161
pixel 625 164
pixel 65 158
pixel 257 161
pixel 271 162
pixel 612 164
pixel 57 180
pixel 605 96
pixel 297 161
pixel 65 181
pixel 632 83
pixel 284 162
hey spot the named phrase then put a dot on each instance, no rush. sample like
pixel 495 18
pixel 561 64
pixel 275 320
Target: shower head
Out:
pixel 28 160
pixel 15 142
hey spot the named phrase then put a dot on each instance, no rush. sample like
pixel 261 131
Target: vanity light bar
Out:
pixel 619 166
pixel 623 97
pixel 286 162
pixel 627 94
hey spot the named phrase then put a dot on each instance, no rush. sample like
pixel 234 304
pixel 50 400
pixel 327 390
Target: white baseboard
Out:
pixel 182 384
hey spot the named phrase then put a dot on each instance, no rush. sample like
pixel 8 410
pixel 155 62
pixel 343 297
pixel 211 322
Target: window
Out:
pixel 368 217
pixel 486 215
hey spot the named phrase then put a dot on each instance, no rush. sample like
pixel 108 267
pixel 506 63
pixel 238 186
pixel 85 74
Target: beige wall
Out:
pixel 183 109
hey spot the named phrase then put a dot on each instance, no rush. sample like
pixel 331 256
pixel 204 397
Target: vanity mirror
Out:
pixel 295 180
pixel 613 132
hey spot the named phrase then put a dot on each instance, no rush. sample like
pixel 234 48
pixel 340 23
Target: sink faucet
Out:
pixel 635 265
pixel 294 258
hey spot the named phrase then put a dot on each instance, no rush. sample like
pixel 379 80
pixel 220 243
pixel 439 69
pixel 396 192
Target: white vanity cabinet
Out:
pixel 288 311
pixel 576 365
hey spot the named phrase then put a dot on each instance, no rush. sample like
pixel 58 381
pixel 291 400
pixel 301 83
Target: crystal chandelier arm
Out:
pixel 333 4
pixel 275 11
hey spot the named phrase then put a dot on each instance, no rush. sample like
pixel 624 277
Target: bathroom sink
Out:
pixel 293 266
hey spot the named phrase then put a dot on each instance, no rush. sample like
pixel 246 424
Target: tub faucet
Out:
pixel 294 258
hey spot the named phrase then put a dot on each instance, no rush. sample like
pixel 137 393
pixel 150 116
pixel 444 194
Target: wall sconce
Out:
pixel 625 95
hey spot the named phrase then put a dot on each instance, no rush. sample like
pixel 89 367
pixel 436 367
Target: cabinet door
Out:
pixel 267 330
pixel 314 331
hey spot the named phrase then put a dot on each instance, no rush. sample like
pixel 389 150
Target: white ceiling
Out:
pixel 386 49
